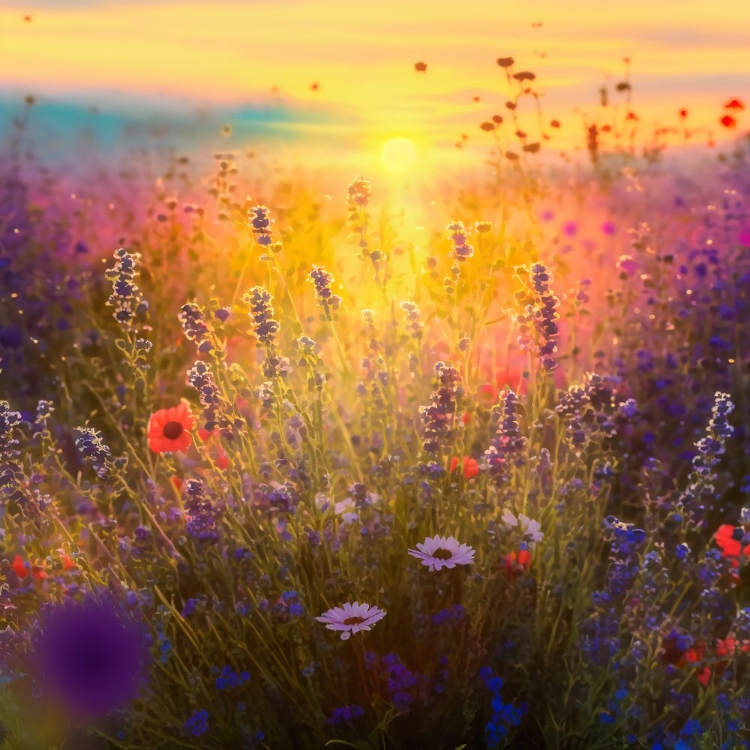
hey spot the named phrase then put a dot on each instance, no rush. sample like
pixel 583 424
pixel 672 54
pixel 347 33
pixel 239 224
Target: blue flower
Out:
pixel 197 724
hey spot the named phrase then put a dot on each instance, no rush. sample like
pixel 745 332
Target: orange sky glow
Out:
pixel 684 55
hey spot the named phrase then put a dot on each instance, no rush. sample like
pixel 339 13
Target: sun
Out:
pixel 399 154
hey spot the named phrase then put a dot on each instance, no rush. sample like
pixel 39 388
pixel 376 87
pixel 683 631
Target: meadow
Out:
pixel 282 469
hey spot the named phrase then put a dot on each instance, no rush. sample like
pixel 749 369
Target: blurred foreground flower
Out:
pixel 91 658
pixel 470 466
pixel 440 552
pixel 351 618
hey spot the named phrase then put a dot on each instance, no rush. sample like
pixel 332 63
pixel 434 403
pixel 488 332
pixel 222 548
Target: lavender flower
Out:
pixel 538 329
pixel 698 497
pixel 211 398
pixel 90 443
pixel 322 280
pixel 126 297
pixel 195 326
pixel 438 417
pixel 508 446
pixel 260 222
pixel 358 192
pixel 200 513
pixel 264 326
pixel 462 251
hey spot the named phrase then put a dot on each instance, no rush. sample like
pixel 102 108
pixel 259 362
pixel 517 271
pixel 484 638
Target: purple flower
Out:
pixel 91 656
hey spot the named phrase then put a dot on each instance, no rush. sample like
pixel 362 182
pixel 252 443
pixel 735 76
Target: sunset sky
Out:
pixel 256 61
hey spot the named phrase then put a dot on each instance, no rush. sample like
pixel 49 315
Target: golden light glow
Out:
pixel 200 54
pixel 399 154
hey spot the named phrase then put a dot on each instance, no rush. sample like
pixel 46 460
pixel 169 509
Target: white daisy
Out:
pixel 530 528
pixel 346 509
pixel 440 552
pixel 351 618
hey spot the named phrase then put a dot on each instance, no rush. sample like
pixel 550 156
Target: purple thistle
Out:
pixel 93 658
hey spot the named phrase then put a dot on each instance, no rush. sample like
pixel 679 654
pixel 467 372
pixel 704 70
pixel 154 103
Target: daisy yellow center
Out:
pixel 353 620
pixel 442 554
pixel 172 430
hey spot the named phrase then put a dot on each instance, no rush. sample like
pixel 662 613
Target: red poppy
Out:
pixel 471 467
pixel 730 646
pixel 683 114
pixel 693 654
pixel 19 567
pixel 38 572
pixel 169 429
pixel 728 121
pixel 704 676
pixel 176 482
pixel 734 104
pixel 420 67
pixel 632 116
pixel 222 461
pixel 517 562
pixel 67 562
pixel 466 417
pixel 730 546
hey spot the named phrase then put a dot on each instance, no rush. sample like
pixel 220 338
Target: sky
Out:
pixel 253 62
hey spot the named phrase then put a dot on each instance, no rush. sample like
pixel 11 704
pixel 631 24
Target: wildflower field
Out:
pixel 286 464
